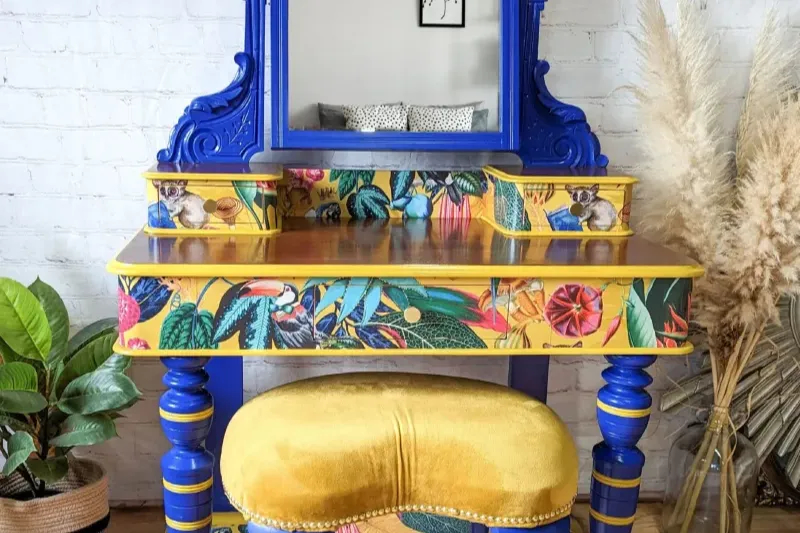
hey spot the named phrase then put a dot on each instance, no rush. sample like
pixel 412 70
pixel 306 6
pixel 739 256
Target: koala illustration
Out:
pixel 187 206
pixel 599 213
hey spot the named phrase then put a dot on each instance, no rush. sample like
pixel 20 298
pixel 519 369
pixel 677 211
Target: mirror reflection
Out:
pixel 367 65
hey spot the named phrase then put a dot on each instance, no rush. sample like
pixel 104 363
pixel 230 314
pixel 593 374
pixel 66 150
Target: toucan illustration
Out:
pixel 293 324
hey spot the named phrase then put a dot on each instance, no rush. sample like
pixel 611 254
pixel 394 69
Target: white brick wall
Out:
pixel 90 88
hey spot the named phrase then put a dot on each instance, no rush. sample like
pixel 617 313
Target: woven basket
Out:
pixel 81 505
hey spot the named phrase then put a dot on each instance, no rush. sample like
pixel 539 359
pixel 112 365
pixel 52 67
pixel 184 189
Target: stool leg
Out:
pixel 623 411
pixel 186 411
pixel 561 526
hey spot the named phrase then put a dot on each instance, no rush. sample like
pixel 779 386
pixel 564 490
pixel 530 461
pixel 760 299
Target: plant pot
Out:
pixel 79 505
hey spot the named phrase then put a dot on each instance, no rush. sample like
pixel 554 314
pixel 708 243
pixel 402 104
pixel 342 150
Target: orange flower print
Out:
pixel 675 331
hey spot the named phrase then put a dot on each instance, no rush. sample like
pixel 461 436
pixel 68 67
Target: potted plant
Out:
pixel 56 393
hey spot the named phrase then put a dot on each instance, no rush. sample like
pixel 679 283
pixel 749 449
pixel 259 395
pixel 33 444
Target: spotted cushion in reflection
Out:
pixel 320 453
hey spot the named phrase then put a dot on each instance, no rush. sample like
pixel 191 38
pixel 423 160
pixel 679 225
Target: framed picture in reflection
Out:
pixel 442 13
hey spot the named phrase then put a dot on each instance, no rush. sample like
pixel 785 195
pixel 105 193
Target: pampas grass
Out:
pixel 737 214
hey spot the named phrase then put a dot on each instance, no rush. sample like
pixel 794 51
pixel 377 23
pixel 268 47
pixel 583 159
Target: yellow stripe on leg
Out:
pixel 186 417
pixel 188 489
pixel 616 483
pixel 611 520
pixel 624 413
pixel 188 526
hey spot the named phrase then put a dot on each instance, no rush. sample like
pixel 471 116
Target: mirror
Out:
pixel 395 75
pixel 366 65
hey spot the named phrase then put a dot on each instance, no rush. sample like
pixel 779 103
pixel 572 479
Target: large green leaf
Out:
pixel 14 424
pixel 258 329
pixel 91 332
pixel 85 430
pixel 88 359
pixel 509 207
pixel 432 331
pixel 19 389
pixel 49 471
pixel 400 183
pixel 116 363
pixel 356 289
pixel 641 333
pixel 372 300
pixel 368 203
pixel 8 355
pixel 20 447
pixel 246 191
pixel 187 329
pixel 23 322
pixel 427 523
pixel 469 183
pixel 332 293
pixel 98 392
pixel 348 180
pixel 231 316
pixel 57 317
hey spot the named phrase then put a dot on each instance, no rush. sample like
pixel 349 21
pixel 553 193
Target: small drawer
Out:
pixel 188 206
pixel 579 206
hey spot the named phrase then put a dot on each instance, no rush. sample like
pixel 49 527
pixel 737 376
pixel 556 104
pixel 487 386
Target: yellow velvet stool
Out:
pixel 321 453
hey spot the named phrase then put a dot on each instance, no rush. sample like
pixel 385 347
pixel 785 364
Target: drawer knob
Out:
pixel 412 315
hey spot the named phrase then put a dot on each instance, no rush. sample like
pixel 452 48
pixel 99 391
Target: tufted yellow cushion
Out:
pixel 319 453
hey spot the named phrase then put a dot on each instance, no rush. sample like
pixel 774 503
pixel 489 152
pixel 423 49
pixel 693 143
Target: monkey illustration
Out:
pixel 599 213
pixel 187 206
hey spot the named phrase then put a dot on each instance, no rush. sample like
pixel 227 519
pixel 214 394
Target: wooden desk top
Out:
pixel 394 248
pixel 216 171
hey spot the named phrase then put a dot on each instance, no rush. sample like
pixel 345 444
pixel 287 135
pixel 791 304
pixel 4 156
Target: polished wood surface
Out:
pixel 396 248
pixel 648 520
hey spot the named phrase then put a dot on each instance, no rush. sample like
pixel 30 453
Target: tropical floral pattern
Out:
pixel 535 207
pixel 259 314
pixel 233 206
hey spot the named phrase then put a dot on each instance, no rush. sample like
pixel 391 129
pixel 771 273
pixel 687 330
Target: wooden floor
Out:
pixel 647 520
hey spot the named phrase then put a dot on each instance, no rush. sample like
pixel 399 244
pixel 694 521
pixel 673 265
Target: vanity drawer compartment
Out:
pixel 188 206
pixel 414 314
pixel 575 205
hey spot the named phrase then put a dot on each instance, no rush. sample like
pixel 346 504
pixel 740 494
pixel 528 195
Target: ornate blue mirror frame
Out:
pixel 230 126
pixel 505 139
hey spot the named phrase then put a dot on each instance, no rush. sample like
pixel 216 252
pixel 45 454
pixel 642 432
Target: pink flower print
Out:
pixel 129 313
pixel 305 178
pixel 575 310
pixel 138 344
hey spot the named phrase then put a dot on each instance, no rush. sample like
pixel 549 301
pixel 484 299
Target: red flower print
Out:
pixel 575 310
pixel 267 185
pixel 128 311
pixel 138 344
pixel 305 179
pixel 673 331
pixel 612 328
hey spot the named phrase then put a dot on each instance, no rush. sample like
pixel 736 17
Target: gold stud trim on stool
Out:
pixel 492 521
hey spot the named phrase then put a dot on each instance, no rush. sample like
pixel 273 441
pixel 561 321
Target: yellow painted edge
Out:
pixel 404 271
pixel 588 234
pixel 232 520
pixel 186 417
pixel 624 413
pixel 561 180
pixel 198 176
pixel 616 483
pixel 478 352
pixel 188 489
pixel 611 520
pixel 188 526
pixel 161 232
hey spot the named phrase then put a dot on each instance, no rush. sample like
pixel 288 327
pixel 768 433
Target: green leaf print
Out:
pixel 368 203
pixel 432 331
pixel 641 333
pixel 427 523
pixel 186 328
pixel 509 207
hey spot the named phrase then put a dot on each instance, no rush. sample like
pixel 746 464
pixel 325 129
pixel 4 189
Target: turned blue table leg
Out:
pixel 623 411
pixel 186 411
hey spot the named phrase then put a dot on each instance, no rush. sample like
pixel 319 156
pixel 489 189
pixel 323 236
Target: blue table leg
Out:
pixel 226 385
pixel 186 410
pixel 623 411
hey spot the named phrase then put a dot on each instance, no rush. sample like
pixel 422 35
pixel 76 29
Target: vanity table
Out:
pixel 242 259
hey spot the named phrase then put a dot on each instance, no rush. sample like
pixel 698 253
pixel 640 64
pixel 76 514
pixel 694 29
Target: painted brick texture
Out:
pixel 89 90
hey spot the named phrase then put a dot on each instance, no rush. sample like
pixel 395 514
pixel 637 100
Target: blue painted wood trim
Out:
pixel 529 374
pixel 226 385
pixel 622 414
pixel 506 139
pixel 552 133
pixel 561 526
pixel 186 411
pixel 227 126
